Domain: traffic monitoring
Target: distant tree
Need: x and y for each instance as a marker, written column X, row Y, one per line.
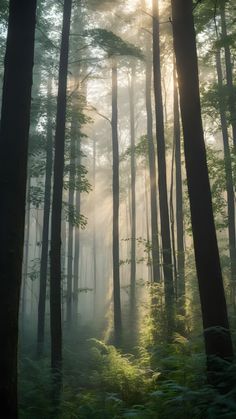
column 115, row 47
column 14, row 130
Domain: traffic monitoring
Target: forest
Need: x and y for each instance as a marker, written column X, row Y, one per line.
column 117, row 214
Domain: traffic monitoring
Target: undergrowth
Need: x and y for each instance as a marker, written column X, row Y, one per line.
column 102, row 383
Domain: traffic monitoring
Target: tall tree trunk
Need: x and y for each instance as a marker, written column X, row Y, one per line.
column 152, row 170
column 228, row 174
column 172, row 220
column 71, row 226
column 77, row 235
column 163, row 197
column 133, row 192
column 94, row 229
column 45, row 234
column 179, row 201
column 26, row 260
column 115, row 189
column 55, row 254
column 14, row 132
column 229, row 72
column 214, row 311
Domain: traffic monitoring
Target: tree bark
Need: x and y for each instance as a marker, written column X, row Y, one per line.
column 115, row 189
column 14, row 132
column 152, row 171
column 163, row 196
column 71, row 226
column 45, row 234
column 214, row 311
column 229, row 73
column 77, row 237
column 133, row 193
column 228, row 175
column 179, row 201
column 55, row 254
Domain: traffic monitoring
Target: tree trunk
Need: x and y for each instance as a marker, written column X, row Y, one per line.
column 163, row 197
column 14, row 132
column 77, row 237
column 115, row 189
column 133, row 193
column 229, row 72
column 71, row 226
column 45, row 235
column 55, row 254
column 94, row 229
column 228, row 174
column 26, row 261
column 179, row 201
column 152, row 171
column 214, row 311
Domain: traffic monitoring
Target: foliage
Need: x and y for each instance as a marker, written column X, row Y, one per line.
column 112, row 44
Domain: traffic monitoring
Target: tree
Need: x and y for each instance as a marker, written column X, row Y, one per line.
column 229, row 71
column 115, row 47
column 14, row 130
column 152, row 169
column 46, row 219
column 163, row 197
column 133, row 191
column 228, row 174
column 55, row 252
column 179, row 200
column 214, row 311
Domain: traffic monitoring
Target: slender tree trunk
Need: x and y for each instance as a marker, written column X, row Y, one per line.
column 14, row 132
column 152, row 171
column 26, row 261
column 163, row 197
column 133, row 193
column 150, row 271
column 229, row 72
column 172, row 220
column 71, row 226
column 228, row 174
column 77, row 235
column 179, row 201
column 94, row 228
column 55, row 254
column 214, row 311
column 45, row 235
column 115, row 189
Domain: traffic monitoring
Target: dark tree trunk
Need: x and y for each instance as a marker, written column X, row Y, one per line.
column 115, row 189
column 45, row 235
column 163, row 196
column 14, row 132
column 152, row 171
column 55, row 254
column 133, row 193
column 228, row 174
column 179, row 201
column 214, row 311
column 71, row 226
column 172, row 220
column 229, row 72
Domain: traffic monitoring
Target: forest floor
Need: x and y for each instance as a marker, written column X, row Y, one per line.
column 158, row 381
